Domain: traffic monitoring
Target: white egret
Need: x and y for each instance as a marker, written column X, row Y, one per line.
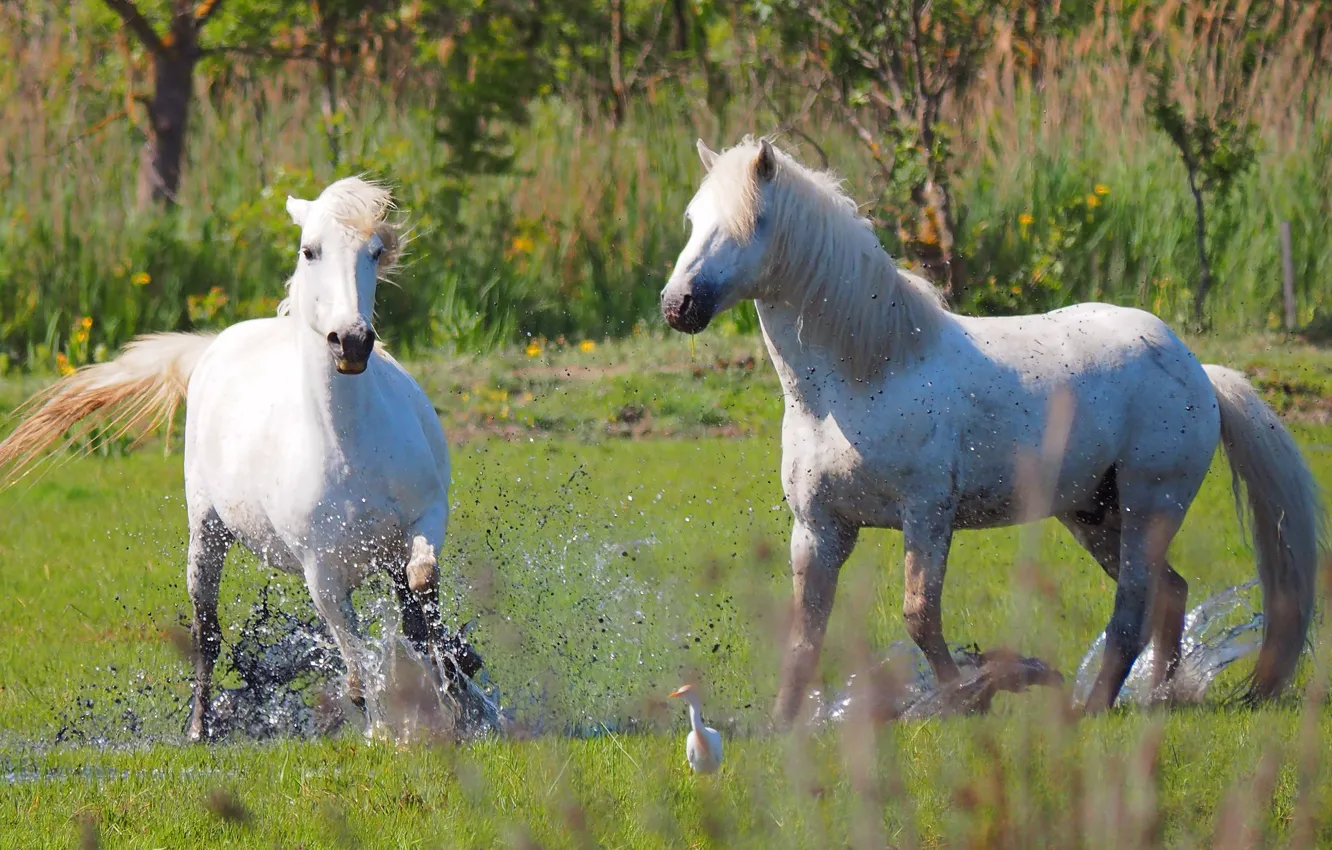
column 703, row 745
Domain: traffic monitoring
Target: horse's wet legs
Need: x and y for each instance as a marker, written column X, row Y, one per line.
column 333, row 602
column 1170, row 594
column 1169, row 607
column 417, row 589
column 1144, row 539
column 209, row 542
column 817, row 555
column 928, row 534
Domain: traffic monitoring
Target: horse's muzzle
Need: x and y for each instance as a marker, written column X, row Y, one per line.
column 351, row 349
column 687, row 312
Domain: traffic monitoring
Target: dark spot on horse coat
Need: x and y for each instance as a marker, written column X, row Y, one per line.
column 1104, row 501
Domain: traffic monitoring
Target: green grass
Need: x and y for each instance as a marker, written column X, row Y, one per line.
column 542, row 532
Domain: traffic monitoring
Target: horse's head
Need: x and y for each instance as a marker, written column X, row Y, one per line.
column 346, row 244
column 724, row 261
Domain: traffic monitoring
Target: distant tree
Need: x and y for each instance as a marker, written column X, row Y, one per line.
column 321, row 31
column 887, row 69
column 1216, row 150
column 175, row 50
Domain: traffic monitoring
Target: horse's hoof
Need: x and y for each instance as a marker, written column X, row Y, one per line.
column 355, row 691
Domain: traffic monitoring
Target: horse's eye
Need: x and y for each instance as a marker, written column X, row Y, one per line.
column 376, row 252
column 308, row 253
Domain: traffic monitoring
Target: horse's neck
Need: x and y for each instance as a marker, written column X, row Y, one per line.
column 336, row 401
column 807, row 366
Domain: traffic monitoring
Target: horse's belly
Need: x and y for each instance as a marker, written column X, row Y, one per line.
column 253, row 530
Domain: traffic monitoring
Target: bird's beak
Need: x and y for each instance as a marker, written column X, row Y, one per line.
column 680, row 692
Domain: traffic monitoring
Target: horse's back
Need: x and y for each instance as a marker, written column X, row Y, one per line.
column 1084, row 342
column 1140, row 396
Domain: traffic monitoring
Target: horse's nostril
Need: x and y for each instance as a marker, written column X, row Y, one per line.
column 332, row 338
column 685, row 302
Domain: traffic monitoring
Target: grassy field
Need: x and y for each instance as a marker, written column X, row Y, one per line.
column 602, row 571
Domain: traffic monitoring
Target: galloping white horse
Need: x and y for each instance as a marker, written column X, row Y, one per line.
column 304, row 439
column 900, row 414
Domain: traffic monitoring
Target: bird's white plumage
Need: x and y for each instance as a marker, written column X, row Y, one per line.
column 703, row 744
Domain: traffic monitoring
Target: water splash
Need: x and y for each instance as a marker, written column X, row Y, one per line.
column 1216, row 635
column 903, row 687
column 291, row 678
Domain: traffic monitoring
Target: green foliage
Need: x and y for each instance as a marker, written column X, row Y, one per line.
column 1038, row 261
column 1218, row 149
column 530, row 217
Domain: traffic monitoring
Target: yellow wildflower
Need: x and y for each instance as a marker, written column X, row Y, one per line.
column 141, row 279
column 1093, row 201
column 587, row 346
column 86, row 323
column 533, row 350
column 1101, row 189
column 1025, row 219
column 62, row 363
column 523, row 245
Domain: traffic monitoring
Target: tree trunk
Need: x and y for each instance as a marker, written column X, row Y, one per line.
column 1200, row 235
column 934, row 205
column 620, row 104
column 168, row 120
column 328, row 70
column 680, row 16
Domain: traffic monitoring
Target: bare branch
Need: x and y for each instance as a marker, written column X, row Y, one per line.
column 260, row 52
column 791, row 124
column 869, row 60
column 648, row 44
column 137, row 23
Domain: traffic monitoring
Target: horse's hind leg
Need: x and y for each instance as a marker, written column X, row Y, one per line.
column 1100, row 536
column 209, row 542
column 1149, row 518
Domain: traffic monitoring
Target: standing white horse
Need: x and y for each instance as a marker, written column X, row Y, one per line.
column 900, row 414
column 304, row 440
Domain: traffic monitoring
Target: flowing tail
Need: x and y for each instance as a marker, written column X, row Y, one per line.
column 1286, row 520
column 139, row 389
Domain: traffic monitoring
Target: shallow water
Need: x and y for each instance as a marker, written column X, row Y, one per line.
column 281, row 676
column 1218, row 632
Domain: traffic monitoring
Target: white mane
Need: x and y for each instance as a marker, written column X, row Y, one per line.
column 363, row 207
column 825, row 260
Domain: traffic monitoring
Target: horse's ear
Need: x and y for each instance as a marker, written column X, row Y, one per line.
column 706, row 154
column 297, row 209
column 765, row 164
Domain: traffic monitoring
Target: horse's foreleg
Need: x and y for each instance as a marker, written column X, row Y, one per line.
column 418, row 594
column 333, row 602
column 1143, row 542
column 209, row 542
column 928, row 533
column 817, row 554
